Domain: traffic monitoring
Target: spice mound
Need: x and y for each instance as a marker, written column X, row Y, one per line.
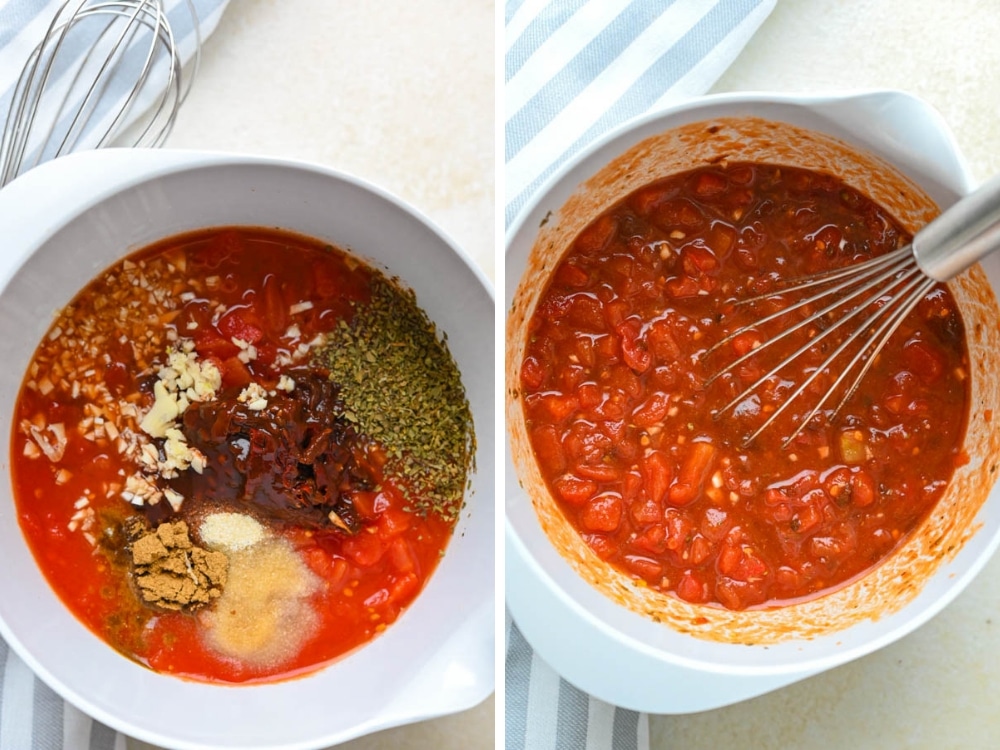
column 170, row 571
column 285, row 453
column 265, row 615
column 403, row 389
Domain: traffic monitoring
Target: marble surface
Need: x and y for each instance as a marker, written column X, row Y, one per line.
column 935, row 688
column 396, row 92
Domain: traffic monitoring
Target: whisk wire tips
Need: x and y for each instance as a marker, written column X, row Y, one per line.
column 105, row 71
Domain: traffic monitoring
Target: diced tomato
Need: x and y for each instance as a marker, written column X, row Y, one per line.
column 403, row 589
column 319, row 560
column 677, row 212
column 589, row 394
column 585, row 351
column 862, row 489
column 680, row 287
column 533, row 372
column 739, row 594
column 402, row 556
column 924, row 359
column 746, row 342
column 614, row 313
column 586, row 313
column 272, row 307
column 721, row 238
column 556, row 406
column 339, row 575
column 645, row 200
column 657, row 470
column 691, row 589
column 662, row 343
column 392, row 523
column 699, row 549
column 693, row 473
column 644, row 567
column 716, row 523
column 697, row 260
column 602, row 513
column 574, row 490
column 241, row 324
column 548, row 449
column 806, row 519
column 708, row 184
column 597, row 236
column 583, row 444
column 652, row 540
column 571, row 275
column 631, row 485
column 679, row 527
column 363, row 549
column 210, row 343
column 634, row 349
column 602, row 472
column 364, row 503
column 837, row 484
column 602, row 545
column 739, row 560
column 646, row 511
column 652, row 411
column 234, row 373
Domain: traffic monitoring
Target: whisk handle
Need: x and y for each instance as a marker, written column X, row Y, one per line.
column 965, row 233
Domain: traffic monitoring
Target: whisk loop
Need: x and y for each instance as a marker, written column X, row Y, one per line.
column 887, row 288
column 105, row 72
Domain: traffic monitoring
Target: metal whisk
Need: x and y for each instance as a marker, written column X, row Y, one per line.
column 874, row 297
column 107, row 72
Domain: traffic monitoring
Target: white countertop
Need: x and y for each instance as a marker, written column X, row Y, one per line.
column 399, row 93
column 935, row 688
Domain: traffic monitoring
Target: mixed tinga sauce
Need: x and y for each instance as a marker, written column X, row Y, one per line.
column 626, row 427
column 240, row 453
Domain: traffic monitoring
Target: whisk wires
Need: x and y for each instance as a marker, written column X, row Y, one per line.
column 887, row 288
column 105, row 73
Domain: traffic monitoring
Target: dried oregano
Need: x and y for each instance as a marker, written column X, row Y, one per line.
column 402, row 388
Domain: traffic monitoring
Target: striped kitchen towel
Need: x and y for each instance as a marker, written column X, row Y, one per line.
column 575, row 69
column 32, row 716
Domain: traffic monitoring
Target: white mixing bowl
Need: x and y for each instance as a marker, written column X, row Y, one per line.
column 644, row 650
column 68, row 220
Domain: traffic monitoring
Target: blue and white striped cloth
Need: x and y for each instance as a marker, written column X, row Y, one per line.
column 32, row 716
column 575, row 69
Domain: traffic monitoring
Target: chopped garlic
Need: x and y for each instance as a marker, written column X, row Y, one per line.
column 53, row 448
column 254, row 396
column 163, row 412
column 174, row 498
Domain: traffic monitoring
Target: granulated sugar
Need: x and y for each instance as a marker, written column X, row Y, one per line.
column 230, row 532
column 264, row 615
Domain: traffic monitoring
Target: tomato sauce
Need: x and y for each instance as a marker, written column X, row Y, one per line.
column 625, row 422
column 76, row 425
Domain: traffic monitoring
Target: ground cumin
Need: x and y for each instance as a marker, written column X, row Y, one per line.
column 169, row 571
